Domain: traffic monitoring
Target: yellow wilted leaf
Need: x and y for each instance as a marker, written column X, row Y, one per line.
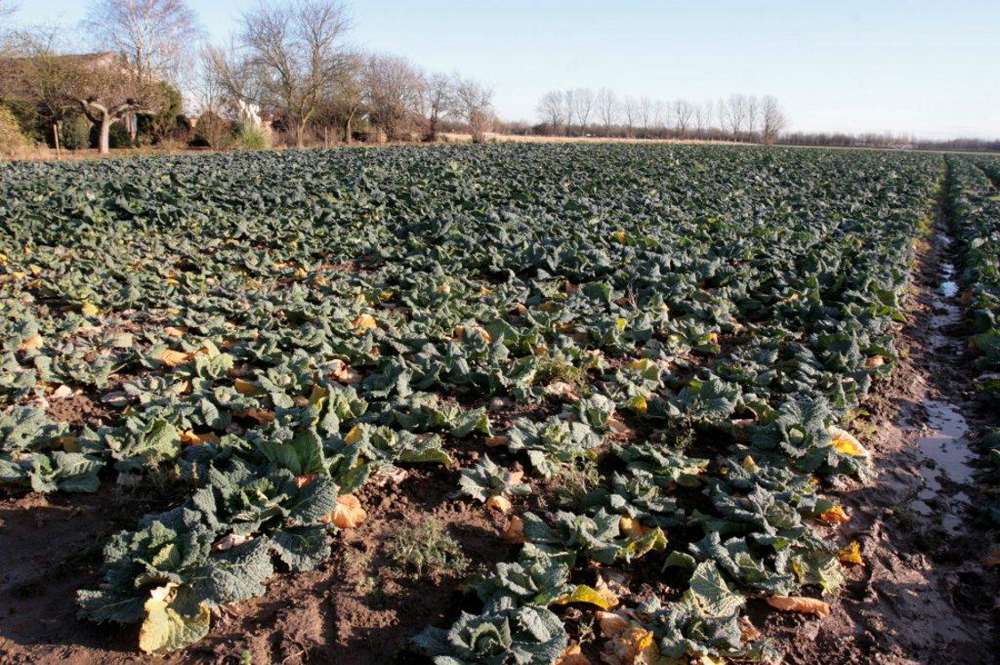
column 244, row 387
column 191, row 438
column 642, row 364
column 618, row 236
column 364, row 322
column 260, row 415
column 172, row 358
column 603, row 598
column 572, row 655
column 835, row 515
column 300, row 274
column 631, row 528
column 348, row 513
column 874, row 361
column 164, row 629
column 89, row 309
column 69, row 444
column 851, row 553
column 637, row 404
column 33, row 343
column 174, row 332
column 499, row 503
column 342, row 372
column 462, row 331
column 627, row 643
column 353, row 436
column 514, row 533
column 318, row 395
column 799, row 604
column 846, row 443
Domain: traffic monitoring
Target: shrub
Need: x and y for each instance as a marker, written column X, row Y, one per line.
column 251, row 137
column 75, row 133
column 160, row 126
column 212, row 131
column 12, row 140
column 118, row 137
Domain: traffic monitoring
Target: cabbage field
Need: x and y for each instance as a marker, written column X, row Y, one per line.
column 524, row 404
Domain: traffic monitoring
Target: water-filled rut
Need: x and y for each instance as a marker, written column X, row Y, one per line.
column 922, row 595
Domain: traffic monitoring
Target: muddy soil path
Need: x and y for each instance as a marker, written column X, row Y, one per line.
column 922, row 596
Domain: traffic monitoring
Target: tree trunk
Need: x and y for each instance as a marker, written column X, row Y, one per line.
column 300, row 130
column 347, row 131
column 104, row 145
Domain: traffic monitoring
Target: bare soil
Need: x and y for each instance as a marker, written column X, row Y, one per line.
column 923, row 594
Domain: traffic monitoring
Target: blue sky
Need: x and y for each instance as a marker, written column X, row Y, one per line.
column 929, row 68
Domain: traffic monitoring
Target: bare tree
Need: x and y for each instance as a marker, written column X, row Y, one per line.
column 154, row 38
column 552, row 109
column 703, row 116
column 661, row 113
column 607, row 108
column 393, row 92
column 733, row 114
column 773, row 120
column 349, row 95
column 211, row 91
column 475, row 103
column 583, row 105
column 569, row 100
column 439, row 102
column 228, row 80
column 752, row 116
column 294, row 53
column 630, row 108
column 645, row 114
column 683, row 112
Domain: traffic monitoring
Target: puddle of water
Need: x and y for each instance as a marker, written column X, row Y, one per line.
column 947, row 448
column 949, row 287
column 947, row 445
column 947, row 311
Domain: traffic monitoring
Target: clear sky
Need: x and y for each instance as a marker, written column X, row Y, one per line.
column 929, row 68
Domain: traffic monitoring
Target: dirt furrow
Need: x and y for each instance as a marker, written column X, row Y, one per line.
column 922, row 595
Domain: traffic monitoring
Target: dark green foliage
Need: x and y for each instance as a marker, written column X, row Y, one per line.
column 275, row 329
column 75, row 132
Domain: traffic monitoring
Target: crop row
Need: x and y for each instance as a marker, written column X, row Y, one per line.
column 273, row 331
column 975, row 206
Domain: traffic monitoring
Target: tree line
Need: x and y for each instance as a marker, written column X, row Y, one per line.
column 584, row 112
column 288, row 72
